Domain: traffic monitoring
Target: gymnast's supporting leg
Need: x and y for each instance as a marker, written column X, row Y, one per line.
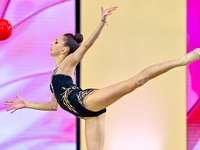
column 102, row 98
column 95, row 132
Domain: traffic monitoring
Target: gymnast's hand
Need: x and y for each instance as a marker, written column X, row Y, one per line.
column 17, row 104
column 106, row 12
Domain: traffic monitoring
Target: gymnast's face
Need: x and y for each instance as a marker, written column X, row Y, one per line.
column 57, row 46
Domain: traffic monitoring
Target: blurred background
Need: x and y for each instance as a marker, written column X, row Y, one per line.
column 25, row 69
column 193, row 74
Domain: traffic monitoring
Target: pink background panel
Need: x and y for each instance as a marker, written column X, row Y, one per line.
column 193, row 76
column 26, row 68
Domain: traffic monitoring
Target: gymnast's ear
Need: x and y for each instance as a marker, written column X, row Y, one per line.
column 65, row 50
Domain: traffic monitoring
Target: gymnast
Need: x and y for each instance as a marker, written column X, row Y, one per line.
column 90, row 104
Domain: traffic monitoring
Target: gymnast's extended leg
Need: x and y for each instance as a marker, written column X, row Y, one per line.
column 94, row 126
column 102, row 98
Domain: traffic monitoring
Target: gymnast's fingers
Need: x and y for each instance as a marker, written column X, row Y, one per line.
column 13, row 111
column 109, row 13
column 18, row 96
column 10, row 108
column 112, row 8
column 10, row 104
column 102, row 9
column 9, row 101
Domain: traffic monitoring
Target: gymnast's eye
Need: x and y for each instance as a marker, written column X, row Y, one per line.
column 56, row 42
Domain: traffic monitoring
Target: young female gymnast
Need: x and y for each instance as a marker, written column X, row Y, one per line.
column 90, row 104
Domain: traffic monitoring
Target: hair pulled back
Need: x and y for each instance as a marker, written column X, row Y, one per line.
column 73, row 41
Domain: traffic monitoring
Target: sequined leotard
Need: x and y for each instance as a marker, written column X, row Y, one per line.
column 70, row 97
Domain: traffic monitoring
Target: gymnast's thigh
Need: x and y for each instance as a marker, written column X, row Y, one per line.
column 104, row 97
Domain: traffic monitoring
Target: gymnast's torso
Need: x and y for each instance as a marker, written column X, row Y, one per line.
column 70, row 97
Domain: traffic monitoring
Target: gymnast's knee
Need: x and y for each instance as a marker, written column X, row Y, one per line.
column 138, row 81
column 141, row 81
column 95, row 146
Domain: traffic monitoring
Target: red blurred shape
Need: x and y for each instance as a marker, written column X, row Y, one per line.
column 5, row 29
column 193, row 126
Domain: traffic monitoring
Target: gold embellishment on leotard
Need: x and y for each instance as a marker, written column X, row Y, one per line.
column 54, row 72
column 82, row 94
column 65, row 97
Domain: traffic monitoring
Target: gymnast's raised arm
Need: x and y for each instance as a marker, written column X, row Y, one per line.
column 80, row 52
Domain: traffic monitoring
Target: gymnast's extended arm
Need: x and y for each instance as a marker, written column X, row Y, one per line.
column 20, row 103
column 80, row 52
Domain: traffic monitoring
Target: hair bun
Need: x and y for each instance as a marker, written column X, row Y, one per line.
column 78, row 37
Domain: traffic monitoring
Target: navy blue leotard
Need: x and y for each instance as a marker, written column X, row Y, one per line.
column 70, row 97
